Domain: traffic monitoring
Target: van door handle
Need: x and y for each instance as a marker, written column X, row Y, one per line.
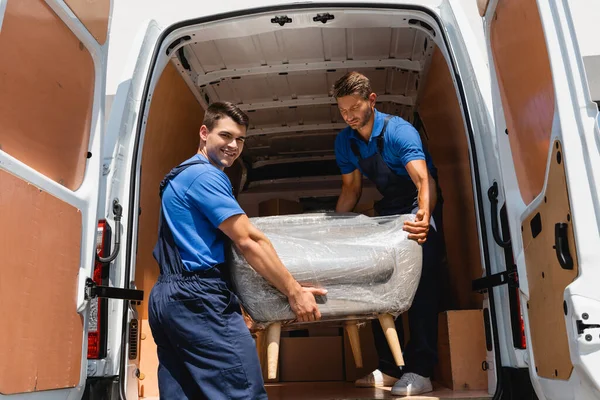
column 118, row 211
column 493, row 196
column 561, row 245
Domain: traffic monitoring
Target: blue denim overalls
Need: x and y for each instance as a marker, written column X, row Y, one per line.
column 400, row 196
column 204, row 347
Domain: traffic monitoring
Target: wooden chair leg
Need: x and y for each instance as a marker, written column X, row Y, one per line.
column 352, row 330
column 273, row 337
column 389, row 329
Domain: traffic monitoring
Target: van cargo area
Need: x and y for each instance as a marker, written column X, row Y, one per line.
column 280, row 70
column 100, row 99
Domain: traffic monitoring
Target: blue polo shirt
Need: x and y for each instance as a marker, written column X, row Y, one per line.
column 194, row 204
column 401, row 145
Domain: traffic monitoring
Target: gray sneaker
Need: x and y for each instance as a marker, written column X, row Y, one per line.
column 411, row 384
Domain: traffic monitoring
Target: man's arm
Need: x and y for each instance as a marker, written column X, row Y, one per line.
column 419, row 173
column 351, row 191
column 260, row 254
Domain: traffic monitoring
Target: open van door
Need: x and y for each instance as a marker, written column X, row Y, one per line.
column 52, row 93
column 547, row 137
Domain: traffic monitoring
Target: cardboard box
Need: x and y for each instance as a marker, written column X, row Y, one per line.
column 461, row 350
column 324, row 330
column 278, row 207
column 310, row 359
column 315, row 330
column 369, row 353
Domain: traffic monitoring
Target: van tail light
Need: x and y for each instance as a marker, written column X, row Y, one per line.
column 523, row 339
column 97, row 326
column 520, row 342
column 516, row 316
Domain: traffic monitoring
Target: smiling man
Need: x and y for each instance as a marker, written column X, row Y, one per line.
column 388, row 151
column 205, row 350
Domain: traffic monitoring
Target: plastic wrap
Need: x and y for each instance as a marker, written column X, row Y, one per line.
column 368, row 265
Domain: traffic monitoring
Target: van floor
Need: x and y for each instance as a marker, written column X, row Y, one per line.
column 347, row 391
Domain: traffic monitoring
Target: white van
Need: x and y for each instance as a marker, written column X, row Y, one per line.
column 514, row 135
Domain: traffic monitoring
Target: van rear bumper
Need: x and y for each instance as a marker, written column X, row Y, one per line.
column 104, row 388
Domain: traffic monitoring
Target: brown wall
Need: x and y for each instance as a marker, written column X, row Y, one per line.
column 447, row 143
column 171, row 137
column 526, row 88
column 40, row 254
column 46, row 93
column 546, row 278
column 93, row 14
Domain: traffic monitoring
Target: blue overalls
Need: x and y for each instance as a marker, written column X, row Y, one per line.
column 204, row 347
column 400, row 196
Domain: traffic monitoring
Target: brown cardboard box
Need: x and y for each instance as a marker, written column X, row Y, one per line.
column 324, row 330
column 369, row 353
column 461, row 350
column 309, row 359
column 278, row 207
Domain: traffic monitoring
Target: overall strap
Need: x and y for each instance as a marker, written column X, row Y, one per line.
column 354, row 145
column 165, row 251
column 381, row 136
column 355, row 149
column 176, row 171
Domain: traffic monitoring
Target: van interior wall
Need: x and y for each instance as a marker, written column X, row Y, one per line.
column 447, row 142
column 250, row 199
column 171, row 137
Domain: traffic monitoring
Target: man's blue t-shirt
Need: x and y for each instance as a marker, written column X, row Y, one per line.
column 194, row 204
column 401, row 145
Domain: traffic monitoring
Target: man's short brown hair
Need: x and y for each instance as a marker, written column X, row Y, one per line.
column 352, row 83
column 219, row 110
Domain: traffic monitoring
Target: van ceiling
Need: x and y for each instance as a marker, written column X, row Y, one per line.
column 283, row 80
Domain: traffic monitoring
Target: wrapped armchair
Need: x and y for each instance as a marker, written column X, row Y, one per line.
column 367, row 264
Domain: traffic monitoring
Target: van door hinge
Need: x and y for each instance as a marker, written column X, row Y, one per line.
column 92, row 290
column 177, row 42
column 482, row 285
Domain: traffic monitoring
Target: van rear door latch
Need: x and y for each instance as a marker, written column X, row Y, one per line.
column 587, row 330
column 92, row 290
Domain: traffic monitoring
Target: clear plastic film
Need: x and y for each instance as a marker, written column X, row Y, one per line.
column 367, row 264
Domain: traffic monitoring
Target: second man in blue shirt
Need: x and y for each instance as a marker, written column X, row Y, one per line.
column 388, row 151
